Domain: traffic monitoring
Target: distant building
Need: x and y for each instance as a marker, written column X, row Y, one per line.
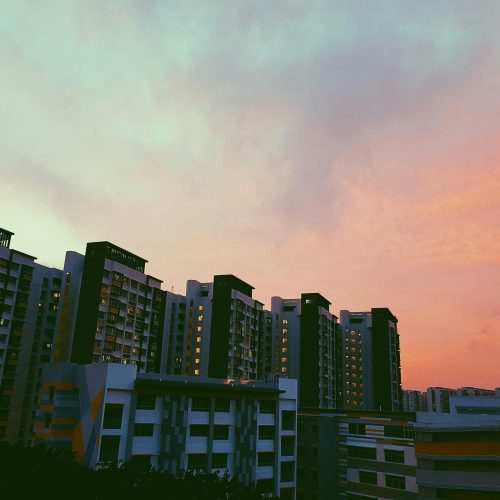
column 29, row 302
column 475, row 391
column 371, row 360
column 414, row 401
column 110, row 413
column 438, row 398
column 305, row 340
column 355, row 455
column 458, row 453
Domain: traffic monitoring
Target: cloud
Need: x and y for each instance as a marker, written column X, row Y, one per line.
column 350, row 148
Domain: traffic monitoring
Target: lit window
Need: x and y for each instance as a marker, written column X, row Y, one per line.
column 285, row 321
column 197, row 372
column 283, row 370
column 200, row 308
column 198, row 350
column 200, row 328
column 197, row 361
column 285, row 331
column 200, row 317
column 198, row 339
column 284, row 360
column 284, row 350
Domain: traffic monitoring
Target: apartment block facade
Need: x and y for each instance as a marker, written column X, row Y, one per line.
column 371, row 360
column 111, row 413
column 29, row 303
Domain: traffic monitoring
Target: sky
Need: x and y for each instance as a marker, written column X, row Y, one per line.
column 347, row 148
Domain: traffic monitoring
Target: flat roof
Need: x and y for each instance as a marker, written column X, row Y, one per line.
column 189, row 383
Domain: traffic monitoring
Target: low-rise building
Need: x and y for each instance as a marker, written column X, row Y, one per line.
column 458, row 454
column 110, row 413
column 356, row 455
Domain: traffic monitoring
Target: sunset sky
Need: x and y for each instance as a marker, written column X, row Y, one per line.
column 350, row 148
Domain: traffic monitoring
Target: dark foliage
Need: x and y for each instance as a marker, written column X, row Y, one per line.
column 52, row 473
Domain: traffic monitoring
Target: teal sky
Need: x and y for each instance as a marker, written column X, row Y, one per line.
column 350, row 148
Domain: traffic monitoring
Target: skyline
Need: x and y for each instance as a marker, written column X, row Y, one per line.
column 269, row 141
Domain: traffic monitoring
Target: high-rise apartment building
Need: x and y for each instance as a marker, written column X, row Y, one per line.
column 371, row 360
column 219, row 330
column 120, row 311
column 239, row 332
column 29, row 302
column 305, row 334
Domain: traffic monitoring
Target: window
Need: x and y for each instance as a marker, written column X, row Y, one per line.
column 397, row 482
column 219, row 461
column 113, row 416
column 197, row 461
column 222, row 405
column 287, row 446
column 265, row 486
column 200, row 404
column 287, row 471
column 198, row 430
column 143, row 429
column 362, row 452
column 221, row 432
column 267, row 406
column 288, row 420
column 396, row 456
column 399, row 431
column 266, row 432
column 146, row 401
column 367, row 477
column 359, row 429
column 265, row 458
column 109, row 448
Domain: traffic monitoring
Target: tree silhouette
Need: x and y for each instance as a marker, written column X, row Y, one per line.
column 53, row 473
